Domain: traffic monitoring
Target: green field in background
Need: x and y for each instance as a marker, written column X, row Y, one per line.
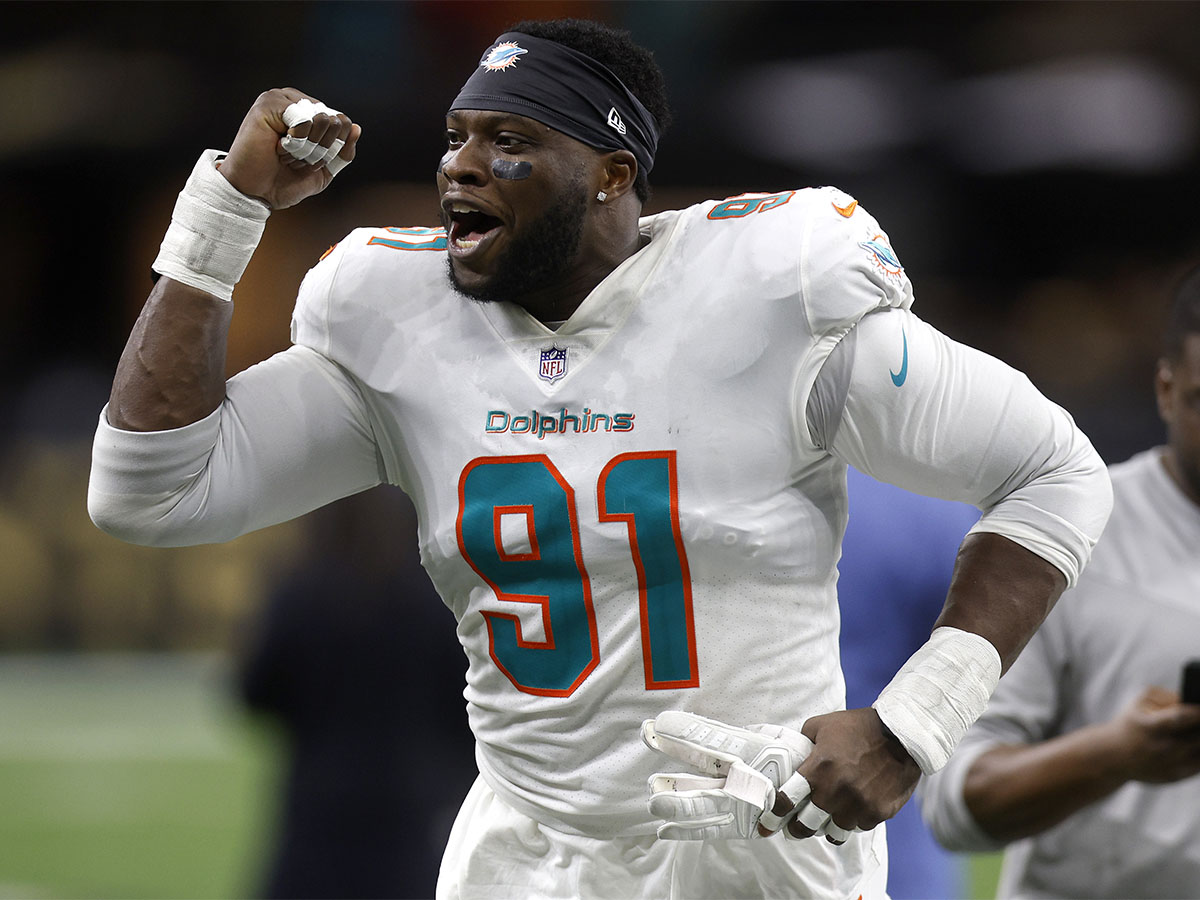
column 129, row 777
column 985, row 872
column 139, row 777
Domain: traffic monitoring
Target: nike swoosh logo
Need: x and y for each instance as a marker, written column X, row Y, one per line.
column 899, row 377
column 847, row 210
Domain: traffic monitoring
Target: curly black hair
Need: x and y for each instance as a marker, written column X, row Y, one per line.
column 1183, row 318
column 616, row 50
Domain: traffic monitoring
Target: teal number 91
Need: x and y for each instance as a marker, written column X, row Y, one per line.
column 638, row 489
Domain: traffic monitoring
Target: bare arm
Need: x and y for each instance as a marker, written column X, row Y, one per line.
column 1014, row 791
column 183, row 457
column 1002, row 592
column 172, row 371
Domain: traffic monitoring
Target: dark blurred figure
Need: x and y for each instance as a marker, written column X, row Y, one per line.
column 353, row 656
column 897, row 559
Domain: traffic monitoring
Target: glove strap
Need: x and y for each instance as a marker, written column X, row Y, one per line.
column 943, row 688
column 750, row 785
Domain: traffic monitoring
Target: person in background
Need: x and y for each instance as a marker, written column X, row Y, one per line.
column 1084, row 765
column 352, row 655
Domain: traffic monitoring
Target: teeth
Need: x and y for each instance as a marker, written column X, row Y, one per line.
column 460, row 208
column 465, row 245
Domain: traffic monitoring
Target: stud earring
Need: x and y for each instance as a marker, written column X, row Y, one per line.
column 601, row 196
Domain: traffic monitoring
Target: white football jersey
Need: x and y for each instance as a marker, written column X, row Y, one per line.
column 641, row 510
column 631, row 507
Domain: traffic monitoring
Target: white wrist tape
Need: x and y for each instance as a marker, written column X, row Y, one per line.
column 214, row 231
column 302, row 148
column 943, row 688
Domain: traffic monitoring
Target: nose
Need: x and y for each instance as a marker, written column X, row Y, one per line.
column 465, row 164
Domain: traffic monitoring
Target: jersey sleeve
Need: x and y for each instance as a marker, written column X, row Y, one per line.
column 1025, row 708
column 312, row 312
column 939, row 418
column 847, row 266
column 292, row 434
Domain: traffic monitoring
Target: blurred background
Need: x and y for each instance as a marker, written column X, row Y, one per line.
column 1035, row 165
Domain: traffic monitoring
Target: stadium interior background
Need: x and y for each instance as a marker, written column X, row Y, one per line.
column 1034, row 163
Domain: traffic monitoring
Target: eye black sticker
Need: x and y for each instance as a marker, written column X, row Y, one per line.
column 511, row 170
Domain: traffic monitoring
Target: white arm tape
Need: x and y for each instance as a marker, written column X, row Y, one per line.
column 213, row 233
column 937, row 695
column 302, row 148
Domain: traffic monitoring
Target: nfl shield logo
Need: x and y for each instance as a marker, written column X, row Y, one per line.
column 553, row 364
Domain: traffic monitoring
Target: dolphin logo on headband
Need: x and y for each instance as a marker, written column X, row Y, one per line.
column 562, row 88
column 502, row 56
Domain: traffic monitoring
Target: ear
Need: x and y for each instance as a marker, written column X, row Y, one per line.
column 617, row 173
column 1164, row 386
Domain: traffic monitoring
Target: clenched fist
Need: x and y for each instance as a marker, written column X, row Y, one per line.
column 259, row 166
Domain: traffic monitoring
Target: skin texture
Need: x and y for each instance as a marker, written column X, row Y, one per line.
column 171, row 372
column 561, row 170
column 539, row 254
column 858, row 771
column 1014, row 791
column 1177, row 387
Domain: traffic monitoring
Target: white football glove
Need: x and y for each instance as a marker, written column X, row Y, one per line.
column 742, row 768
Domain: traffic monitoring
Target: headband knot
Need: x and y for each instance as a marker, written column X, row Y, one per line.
column 564, row 89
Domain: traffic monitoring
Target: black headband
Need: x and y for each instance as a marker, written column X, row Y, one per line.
column 562, row 88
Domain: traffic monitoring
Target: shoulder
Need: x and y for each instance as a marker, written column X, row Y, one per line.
column 795, row 213
column 369, row 274
column 819, row 243
column 1139, row 467
column 817, row 227
column 1148, row 506
column 1137, row 487
column 394, row 251
column 1142, row 541
column 766, row 211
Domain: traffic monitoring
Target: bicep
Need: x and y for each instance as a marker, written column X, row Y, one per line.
column 934, row 416
column 291, row 435
column 942, row 419
column 295, row 435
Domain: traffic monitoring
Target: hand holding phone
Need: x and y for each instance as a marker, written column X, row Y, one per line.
column 1190, row 691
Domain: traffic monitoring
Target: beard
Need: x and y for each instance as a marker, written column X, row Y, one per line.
column 536, row 257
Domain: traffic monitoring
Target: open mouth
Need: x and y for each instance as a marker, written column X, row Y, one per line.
column 469, row 227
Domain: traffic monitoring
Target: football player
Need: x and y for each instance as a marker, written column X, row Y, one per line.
column 626, row 439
